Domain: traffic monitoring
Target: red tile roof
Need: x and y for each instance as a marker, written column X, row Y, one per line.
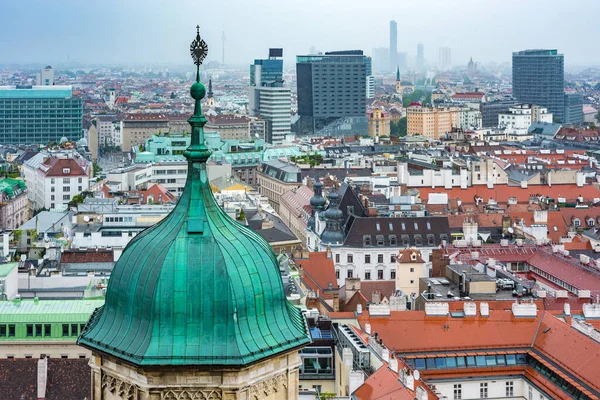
column 413, row 331
column 568, row 270
column 407, row 254
column 56, row 167
column 383, row 385
column 319, row 272
column 501, row 193
column 575, row 352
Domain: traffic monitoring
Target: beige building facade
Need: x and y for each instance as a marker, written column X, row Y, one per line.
column 230, row 127
column 410, row 267
column 136, row 128
column 293, row 210
column 379, row 122
column 274, row 178
column 273, row 379
column 432, row 122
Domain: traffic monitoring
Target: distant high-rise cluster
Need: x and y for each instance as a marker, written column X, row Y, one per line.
column 420, row 62
column 445, row 60
column 393, row 45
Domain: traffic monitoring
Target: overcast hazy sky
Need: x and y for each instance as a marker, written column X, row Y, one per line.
column 126, row 31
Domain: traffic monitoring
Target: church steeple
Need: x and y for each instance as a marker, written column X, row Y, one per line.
column 210, row 91
column 398, row 74
column 198, row 288
column 333, row 235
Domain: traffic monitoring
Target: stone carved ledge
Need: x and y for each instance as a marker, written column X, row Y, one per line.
column 191, row 394
column 116, row 386
column 268, row 387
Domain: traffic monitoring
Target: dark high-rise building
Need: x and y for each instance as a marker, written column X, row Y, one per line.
column 539, row 78
column 491, row 109
column 420, row 61
column 332, row 91
column 393, row 45
column 573, row 108
column 39, row 114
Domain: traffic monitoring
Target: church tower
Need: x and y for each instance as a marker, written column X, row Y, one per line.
column 398, row 84
column 332, row 234
column 195, row 307
column 210, row 98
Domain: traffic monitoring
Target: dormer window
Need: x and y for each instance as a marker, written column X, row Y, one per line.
column 366, row 240
column 405, row 240
column 430, row 240
column 413, row 256
column 379, row 240
column 576, row 222
column 393, row 241
column 591, row 222
column 418, row 240
column 66, row 170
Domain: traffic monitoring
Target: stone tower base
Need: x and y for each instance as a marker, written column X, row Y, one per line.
column 272, row 379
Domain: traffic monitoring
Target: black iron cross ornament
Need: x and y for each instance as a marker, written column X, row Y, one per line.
column 198, row 50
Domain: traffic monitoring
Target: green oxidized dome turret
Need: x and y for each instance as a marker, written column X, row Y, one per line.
column 197, row 288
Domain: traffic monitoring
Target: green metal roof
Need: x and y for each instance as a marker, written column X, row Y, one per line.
column 47, row 311
column 6, row 269
column 197, row 288
column 7, row 185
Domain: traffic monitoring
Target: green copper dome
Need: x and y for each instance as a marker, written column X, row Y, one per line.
column 197, row 288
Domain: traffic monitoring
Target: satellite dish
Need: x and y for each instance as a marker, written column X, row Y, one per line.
column 98, row 218
column 417, row 374
column 86, row 218
column 510, row 229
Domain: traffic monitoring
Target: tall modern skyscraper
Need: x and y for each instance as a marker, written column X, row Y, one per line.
column 420, row 62
column 539, row 78
column 39, row 114
column 445, row 60
column 393, row 45
column 332, row 91
column 268, row 98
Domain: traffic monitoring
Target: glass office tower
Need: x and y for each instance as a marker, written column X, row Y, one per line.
column 39, row 114
column 539, row 78
column 332, row 91
column 269, row 99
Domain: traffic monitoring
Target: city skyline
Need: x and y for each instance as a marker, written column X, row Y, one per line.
column 110, row 39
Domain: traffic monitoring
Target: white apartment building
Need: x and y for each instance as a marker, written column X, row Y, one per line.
column 53, row 180
column 104, row 225
column 470, row 118
column 107, row 128
column 370, row 86
column 275, row 106
column 518, row 118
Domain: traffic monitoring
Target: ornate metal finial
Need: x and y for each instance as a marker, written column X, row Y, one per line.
column 198, row 50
